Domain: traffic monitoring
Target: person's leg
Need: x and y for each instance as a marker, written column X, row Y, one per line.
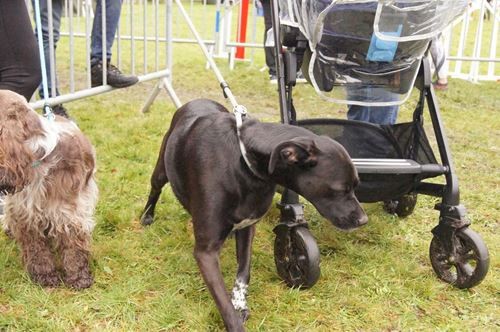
column 268, row 51
column 113, row 10
column 438, row 55
column 114, row 76
column 56, row 25
column 52, row 82
column 358, row 113
column 374, row 114
column 19, row 58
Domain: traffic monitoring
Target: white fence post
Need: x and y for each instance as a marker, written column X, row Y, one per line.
column 478, row 38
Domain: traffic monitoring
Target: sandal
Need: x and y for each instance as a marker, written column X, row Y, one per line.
column 440, row 86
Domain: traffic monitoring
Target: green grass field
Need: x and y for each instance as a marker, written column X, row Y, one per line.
column 378, row 278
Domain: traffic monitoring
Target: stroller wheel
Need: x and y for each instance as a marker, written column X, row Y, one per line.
column 467, row 263
column 296, row 256
column 402, row 206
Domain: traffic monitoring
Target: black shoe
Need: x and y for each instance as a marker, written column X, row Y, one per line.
column 61, row 111
column 114, row 76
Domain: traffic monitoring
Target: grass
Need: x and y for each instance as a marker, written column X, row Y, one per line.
column 376, row 278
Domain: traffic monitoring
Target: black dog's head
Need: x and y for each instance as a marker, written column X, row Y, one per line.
column 320, row 170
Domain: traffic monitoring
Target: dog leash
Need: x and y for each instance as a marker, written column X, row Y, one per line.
column 47, row 110
column 239, row 111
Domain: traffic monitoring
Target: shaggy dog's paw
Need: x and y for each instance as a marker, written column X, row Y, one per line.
column 79, row 282
column 9, row 234
column 50, row 279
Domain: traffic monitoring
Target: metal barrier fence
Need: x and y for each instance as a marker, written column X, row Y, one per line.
column 149, row 48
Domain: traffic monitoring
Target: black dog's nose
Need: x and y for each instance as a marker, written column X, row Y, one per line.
column 363, row 220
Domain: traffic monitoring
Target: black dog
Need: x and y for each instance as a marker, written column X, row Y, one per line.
column 201, row 157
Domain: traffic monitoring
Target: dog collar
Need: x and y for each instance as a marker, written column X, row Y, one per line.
column 240, row 113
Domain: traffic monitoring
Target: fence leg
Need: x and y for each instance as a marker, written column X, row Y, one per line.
column 152, row 96
column 162, row 83
column 171, row 92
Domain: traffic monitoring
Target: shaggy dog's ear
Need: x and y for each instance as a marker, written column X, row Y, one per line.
column 18, row 123
column 300, row 151
column 16, row 113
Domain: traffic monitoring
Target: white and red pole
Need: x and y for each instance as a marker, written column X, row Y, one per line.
column 242, row 29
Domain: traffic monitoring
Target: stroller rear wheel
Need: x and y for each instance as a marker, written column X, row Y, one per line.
column 402, row 206
column 296, row 256
column 467, row 263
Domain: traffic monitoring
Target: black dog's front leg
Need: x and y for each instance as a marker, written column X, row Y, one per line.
column 244, row 238
column 207, row 258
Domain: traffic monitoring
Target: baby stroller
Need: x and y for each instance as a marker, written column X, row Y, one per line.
column 369, row 52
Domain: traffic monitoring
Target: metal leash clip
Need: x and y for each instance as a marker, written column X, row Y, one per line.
column 240, row 112
column 47, row 112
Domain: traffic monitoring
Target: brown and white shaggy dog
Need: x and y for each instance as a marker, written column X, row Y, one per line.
column 47, row 173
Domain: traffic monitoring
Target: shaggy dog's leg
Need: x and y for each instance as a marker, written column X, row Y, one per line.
column 37, row 256
column 75, row 254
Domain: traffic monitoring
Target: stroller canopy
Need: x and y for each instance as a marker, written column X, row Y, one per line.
column 367, row 52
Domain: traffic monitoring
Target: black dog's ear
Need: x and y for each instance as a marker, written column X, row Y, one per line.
column 299, row 151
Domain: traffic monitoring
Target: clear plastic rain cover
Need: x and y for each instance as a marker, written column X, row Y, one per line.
column 367, row 52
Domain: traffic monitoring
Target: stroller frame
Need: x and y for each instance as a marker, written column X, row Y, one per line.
column 458, row 254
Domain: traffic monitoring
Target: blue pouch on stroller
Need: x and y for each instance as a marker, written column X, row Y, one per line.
column 383, row 50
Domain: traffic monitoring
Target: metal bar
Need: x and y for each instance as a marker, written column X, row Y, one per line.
column 132, row 39
column 118, row 45
column 461, row 43
column 168, row 36
column 95, row 91
column 104, row 49
column 478, row 59
column 474, row 68
column 88, row 5
column 71, row 50
column 494, row 37
column 156, row 35
column 253, row 36
column 52, row 56
column 154, row 93
column 164, row 83
column 145, row 32
column 451, row 194
column 285, row 117
column 181, row 40
column 172, row 93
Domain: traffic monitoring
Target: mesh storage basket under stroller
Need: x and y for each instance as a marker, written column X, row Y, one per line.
column 369, row 141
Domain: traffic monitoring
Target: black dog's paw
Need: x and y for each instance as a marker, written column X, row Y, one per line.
column 244, row 314
column 147, row 216
column 80, row 281
column 147, row 220
column 50, row 279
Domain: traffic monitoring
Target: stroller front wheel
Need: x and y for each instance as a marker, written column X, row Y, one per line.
column 465, row 263
column 296, row 256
